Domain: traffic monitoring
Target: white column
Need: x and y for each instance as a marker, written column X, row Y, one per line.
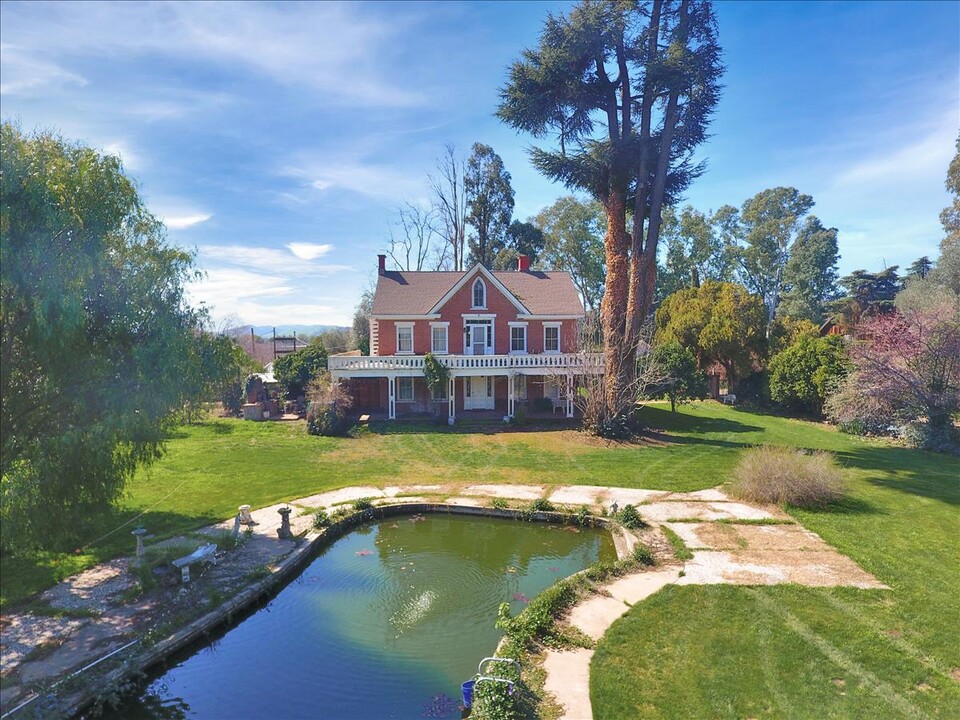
column 451, row 400
column 569, row 395
column 511, row 401
column 392, row 402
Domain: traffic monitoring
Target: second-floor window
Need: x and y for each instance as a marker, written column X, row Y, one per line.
column 518, row 339
column 439, row 339
column 479, row 294
column 404, row 338
column 551, row 338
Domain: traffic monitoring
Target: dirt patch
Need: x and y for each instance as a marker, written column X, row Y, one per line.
column 513, row 492
column 719, row 536
column 955, row 674
column 762, row 567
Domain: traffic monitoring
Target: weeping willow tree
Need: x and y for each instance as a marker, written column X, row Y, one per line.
column 625, row 91
column 98, row 347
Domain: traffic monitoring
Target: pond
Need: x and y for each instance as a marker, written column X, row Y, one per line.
column 385, row 622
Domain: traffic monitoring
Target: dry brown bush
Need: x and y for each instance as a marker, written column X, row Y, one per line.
column 784, row 476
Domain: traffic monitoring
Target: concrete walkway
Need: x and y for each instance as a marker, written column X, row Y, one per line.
column 96, row 612
column 568, row 671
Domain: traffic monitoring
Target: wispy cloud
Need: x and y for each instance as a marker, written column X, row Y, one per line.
column 24, row 72
column 270, row 259
column 895, row 164
column 339, row 50
column 180, row 222
column 368, row 178
column 309, row 251
column 258, row 298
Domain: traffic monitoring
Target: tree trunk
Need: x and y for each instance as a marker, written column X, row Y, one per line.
column 619, row 358
column 644, row 280
column 633, row 322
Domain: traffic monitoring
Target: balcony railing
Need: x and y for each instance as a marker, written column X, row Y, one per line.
column 372, row 365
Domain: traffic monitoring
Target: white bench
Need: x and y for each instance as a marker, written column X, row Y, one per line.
column 204, row 552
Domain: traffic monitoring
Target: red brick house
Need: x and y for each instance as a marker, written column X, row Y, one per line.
column 505, row 337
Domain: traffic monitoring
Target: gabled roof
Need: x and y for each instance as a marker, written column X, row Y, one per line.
column 419, row 293
column 471, row 274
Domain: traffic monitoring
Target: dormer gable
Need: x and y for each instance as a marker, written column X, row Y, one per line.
column 481, row 281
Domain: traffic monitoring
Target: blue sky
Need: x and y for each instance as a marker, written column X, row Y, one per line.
column 277, row 140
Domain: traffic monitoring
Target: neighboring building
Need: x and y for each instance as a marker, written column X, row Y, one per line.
column 506, row 337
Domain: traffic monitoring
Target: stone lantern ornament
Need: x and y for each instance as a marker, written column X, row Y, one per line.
column 284, row 532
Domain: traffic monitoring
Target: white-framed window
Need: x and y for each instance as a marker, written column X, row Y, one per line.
column 551, row 337
column 479, row 293
column 439, row 393
column 404, row 389
column 404, row 338
column 518, row 338
column 520, row 387
column 438, row 338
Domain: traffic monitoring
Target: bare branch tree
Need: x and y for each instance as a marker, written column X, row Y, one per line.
column 412, row 248
column 590, row 392
column 450, row 201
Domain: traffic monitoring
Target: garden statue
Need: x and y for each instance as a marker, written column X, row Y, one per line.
column 284, row 532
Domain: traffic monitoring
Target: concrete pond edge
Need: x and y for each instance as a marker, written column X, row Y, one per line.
column 284, row 570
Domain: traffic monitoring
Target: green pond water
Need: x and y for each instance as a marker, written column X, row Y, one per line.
column 386, row 622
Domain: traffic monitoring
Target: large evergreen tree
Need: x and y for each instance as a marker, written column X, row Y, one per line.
column 489, row 204
column 574, row 233
column 695, row 251
column 810, row 277
column 626, row 91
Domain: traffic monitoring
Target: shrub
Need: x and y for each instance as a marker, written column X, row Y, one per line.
column 629, row 517
column 362, row 504
column 320, row 518
column 784, row 476
column 804, row 373
column 232, row 398
column 497, row 700
column 619, row 427
column 499, row 503
column 583, row 517
column 329, row 402
column 678, row 377
column 542, row 505
column 642, row 555
column 519, row 415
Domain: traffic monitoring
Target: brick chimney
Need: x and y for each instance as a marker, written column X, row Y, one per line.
column 381, row 264
column 523, row 263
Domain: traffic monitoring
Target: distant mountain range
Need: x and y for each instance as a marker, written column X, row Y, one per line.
column 266, row 331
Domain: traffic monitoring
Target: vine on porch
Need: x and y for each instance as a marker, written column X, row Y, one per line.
column 435, row 373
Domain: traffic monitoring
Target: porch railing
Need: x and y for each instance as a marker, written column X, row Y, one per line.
column 370, row 365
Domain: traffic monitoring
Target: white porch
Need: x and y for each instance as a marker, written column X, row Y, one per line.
column 561, row 369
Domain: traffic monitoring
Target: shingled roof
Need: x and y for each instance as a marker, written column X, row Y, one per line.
column 415, row 293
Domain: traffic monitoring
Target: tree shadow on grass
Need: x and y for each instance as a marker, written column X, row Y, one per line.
column 103, row 537
column 916, row 472
column 847, row 506
column 662, row 418
column 493, row 427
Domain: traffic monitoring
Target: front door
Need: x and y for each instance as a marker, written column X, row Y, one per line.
column 478, row 339
column 478, row 393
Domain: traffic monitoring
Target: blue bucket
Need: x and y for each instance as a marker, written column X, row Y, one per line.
column 467, row 691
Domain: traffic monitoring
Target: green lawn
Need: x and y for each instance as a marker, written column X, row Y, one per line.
column 790, row 651
column 687, row 652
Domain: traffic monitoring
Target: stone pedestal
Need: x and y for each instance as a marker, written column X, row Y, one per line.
column 284, row 532
column 139, row 533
